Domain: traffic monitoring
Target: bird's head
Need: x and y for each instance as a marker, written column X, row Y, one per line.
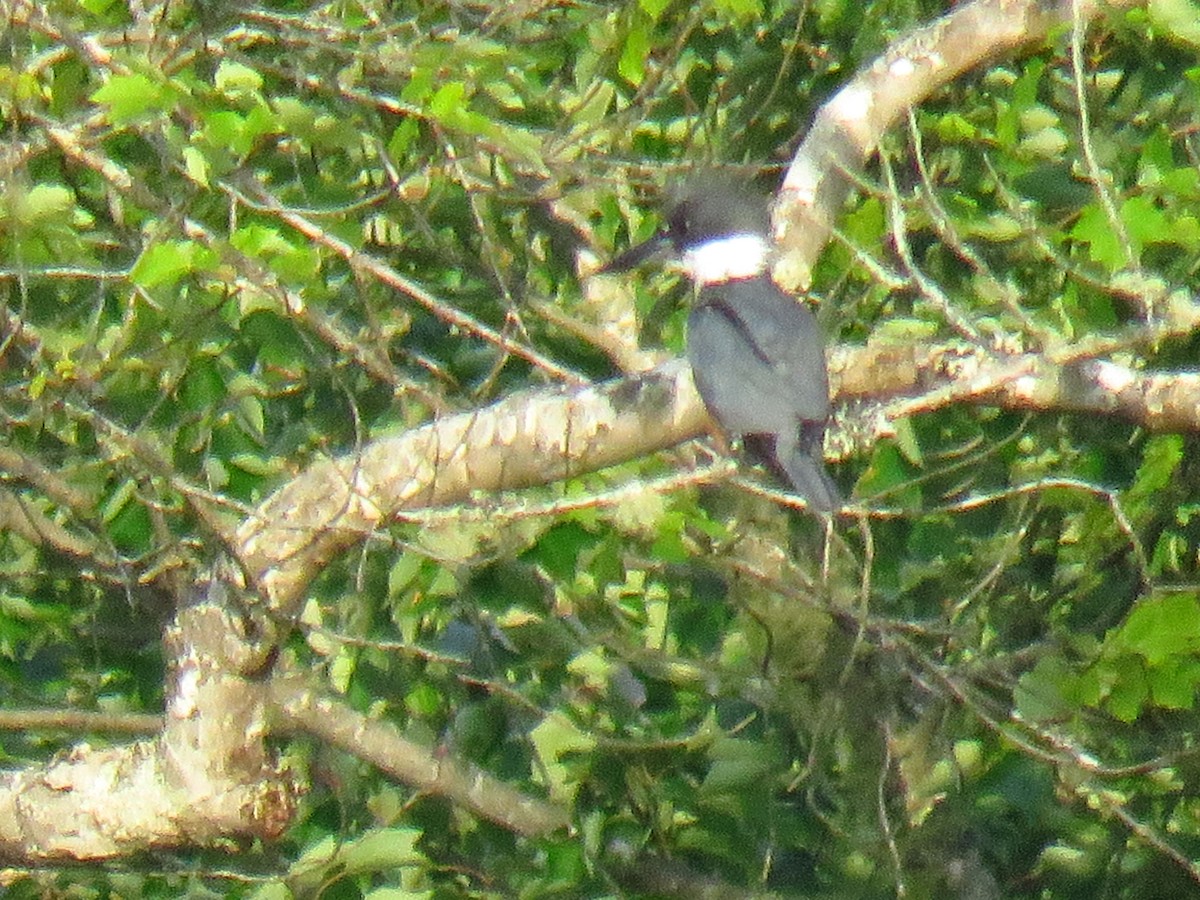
column 716, row 227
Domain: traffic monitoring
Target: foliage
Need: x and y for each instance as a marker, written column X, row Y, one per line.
column 990, row 684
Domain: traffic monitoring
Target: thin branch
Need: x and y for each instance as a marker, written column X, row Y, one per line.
column 929, row 289
column 366, row 264
column 1100, row 182
column 79, row 721
column 21, row 517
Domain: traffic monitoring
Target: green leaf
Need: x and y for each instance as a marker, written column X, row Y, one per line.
column 740, row 11
column 260, row 466
column 593, row 668
column 558, row 549
column 1177, row 19
column 595, row 107
column 404, row 572
column 1156, row 158
column 1023, row 97
column 118, row 500
column 423, row 701
column 1161, row 627
column 1094, row 229
column 632, row 63
column 554, row 738
column 1045, row 692
column 1185, row 233
column 1085, row 311
column 654, row 8
column 204, row 386
column 222, row 128
column 195, row 166
column 565, row 863
column 403, row 137
column 830, row 13
column 259, row 240
column 1025, row 88
column 420, row 86
column 1129, row 690
column 378, row 850
column 1173, row 685
column 1144, row 222
column 448, row 103
column 997, row 227
column 888, row 476
column 1045, row 144
column 129, row 97
column 908, row 443
column 44, row 203
column 237, row 132
column 504, row 94
column 235, row 78
column 866, row 225
column 512, row 141
column 396, row 893
column 1161, row 458
column 737, row 765
column 167, row 262
column 954, row 128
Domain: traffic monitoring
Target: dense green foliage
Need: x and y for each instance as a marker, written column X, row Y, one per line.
column 989, row 687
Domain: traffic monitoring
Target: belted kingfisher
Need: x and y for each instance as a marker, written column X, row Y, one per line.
column 757, row 355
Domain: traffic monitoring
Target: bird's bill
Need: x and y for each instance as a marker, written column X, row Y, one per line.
column 639, row 253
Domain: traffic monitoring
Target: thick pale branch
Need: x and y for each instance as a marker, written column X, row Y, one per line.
column 848, row 128
column 528, row 439
column 1158, row 401
column 925, row 378
column 208, row 775
column 540, row 437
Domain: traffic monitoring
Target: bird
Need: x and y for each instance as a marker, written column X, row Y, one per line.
column 757, row 355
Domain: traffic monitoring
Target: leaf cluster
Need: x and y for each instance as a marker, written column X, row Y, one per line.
column 987, row 685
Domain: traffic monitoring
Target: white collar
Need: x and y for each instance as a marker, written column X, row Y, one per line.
column 728, row 258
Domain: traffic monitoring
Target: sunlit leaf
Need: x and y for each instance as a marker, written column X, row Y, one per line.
column 554, row 739
column 44, row 202
column 167, row 262
column 1178, row 19
column 1095, row 229
column 1162, row 627
column 234, row 78
column 129, row 97
column 632, row 63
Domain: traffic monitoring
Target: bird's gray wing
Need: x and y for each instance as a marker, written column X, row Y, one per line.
column 758, row 359
column 786, row 333
column 741, row 387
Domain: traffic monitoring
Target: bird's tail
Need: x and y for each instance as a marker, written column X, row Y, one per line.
column 798, row 461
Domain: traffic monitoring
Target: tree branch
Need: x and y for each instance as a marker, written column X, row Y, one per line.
column 848, row 128
column 304, row 707
column 528, row 439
